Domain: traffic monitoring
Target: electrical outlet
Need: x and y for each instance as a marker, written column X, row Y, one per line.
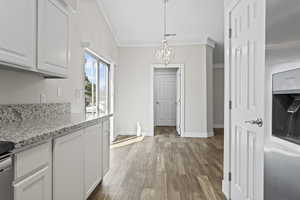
column 59, row 92
column 42, row 98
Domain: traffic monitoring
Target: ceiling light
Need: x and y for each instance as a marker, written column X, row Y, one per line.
column 165, row 52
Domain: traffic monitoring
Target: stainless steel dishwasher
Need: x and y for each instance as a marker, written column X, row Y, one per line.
column 6, row 171
column 6, row 178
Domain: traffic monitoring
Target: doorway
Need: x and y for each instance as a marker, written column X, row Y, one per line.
column 167, row 95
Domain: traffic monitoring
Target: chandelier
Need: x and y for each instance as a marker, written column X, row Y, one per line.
column 165, row 52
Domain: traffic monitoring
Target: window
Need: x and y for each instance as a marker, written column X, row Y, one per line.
column 96, row 85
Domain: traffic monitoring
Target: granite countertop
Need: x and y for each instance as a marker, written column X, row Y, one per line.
column 33, row 131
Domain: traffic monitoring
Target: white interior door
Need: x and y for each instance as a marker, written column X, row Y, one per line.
column 247, row 95
column 165, row 98
column 178, row 101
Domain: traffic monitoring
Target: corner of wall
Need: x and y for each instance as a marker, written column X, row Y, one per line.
column 225, row 188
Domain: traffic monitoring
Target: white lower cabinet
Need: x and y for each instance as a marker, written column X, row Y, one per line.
column 105, row 146
column 35, row 187
column 93, row 158
column 33, row 173
column 68, row 167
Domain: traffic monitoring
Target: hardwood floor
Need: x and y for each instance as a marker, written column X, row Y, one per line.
column 165, row 167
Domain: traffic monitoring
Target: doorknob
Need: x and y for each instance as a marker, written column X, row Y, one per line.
column 157, row 102
column 258, row 122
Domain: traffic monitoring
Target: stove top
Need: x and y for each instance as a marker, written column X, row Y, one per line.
column 6, row 147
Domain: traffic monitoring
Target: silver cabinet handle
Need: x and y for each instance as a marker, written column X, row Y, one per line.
column 258, row 122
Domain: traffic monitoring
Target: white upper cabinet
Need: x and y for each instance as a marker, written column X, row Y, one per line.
column 53, row 37
column 18, row 33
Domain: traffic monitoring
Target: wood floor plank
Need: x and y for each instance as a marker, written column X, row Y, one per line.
column 165, row 167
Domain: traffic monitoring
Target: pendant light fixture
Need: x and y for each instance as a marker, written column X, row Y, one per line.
column 165, row 52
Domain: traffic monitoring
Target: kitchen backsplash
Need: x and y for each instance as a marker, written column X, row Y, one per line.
column 19, row 112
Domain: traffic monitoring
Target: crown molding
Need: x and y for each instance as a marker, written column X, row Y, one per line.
column 106, row 18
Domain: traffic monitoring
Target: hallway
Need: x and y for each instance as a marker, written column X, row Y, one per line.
column 165, row 167
column 167, row 131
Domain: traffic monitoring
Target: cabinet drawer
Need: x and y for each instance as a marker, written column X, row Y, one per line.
column 36, row 186
column 32, row 159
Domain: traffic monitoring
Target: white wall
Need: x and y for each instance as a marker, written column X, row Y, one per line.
column 87, row 24
column 218, row 95
column 227, row 2
column 132, row 97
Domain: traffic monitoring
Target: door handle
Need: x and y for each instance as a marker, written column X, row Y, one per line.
column 258, row 122
column 157, row 102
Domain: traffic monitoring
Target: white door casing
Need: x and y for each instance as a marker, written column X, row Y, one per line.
column 178, row 101
column 247, row 78
column 179, row 67
column 165, row 98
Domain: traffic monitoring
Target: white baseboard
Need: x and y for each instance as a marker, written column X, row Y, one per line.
column 133, row 133
column 198, row 134
column 210, row 134
column 126, row 133
column 147, row 134
column 225, row 189
column 218, row 125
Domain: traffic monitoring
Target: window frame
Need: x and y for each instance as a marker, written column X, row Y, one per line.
column 99, row 60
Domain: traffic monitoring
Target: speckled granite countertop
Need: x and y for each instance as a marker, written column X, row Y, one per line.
column 30, row 132
column 29, row 124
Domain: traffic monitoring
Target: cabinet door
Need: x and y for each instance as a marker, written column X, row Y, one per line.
column 106, row 146
column 68, row 167
column 18, row 32
column 93, row 158
column 36, row 186
column 53, row 37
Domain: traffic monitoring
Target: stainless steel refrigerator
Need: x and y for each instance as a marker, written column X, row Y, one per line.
column 282, row 146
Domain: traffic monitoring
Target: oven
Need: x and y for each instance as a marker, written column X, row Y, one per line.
column 6, row 177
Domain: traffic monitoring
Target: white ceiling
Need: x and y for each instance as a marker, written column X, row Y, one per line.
column 140, row 22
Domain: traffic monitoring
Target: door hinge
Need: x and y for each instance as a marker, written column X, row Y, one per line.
column 229, row 176
column 230, row 105
column 230, row 33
